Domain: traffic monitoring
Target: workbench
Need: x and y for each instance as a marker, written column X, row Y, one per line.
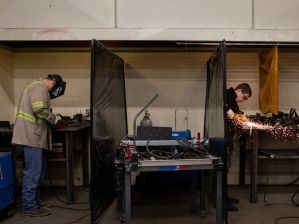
column 282, row 148
column 81, row 132
column 175, row 165
column 69, row 134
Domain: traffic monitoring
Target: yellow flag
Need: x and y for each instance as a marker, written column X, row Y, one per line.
column 268, row 66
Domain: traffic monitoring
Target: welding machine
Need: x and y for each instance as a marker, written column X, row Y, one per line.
column 7, row 196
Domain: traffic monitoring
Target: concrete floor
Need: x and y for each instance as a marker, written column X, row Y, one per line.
column 59, row 215
column 173, row 206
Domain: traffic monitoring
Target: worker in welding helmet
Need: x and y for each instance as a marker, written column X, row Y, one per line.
column 32, row 131
column 233, row 97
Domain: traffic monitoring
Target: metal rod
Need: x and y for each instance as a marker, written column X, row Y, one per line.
column 241, row 43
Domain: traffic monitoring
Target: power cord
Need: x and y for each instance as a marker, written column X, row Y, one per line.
column 270, row 204
column 293, row 198
column 294, row 203
column 79, row 219
column 67, row 203
column 285, row 217
column 63, row 201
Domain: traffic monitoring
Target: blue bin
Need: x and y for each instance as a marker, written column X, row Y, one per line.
column 7, row 196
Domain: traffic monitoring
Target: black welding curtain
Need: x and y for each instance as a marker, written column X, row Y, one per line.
column 109, row 123
column 214, row 126
column 215, row 94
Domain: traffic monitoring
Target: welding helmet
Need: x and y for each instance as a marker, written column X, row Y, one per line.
column 59, row 87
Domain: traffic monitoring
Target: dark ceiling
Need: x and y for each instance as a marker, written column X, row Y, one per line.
column 146, row 45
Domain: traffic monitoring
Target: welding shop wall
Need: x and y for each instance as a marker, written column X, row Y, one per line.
column 178, row 76
column 109, row 123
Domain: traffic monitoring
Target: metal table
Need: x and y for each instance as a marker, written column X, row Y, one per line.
column 171, row 165
column 261, row 140
column 83, row 131
column 69, row 132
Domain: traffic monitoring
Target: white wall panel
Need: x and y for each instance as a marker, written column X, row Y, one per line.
column 276, row 14
column 180, row 80
column 57, row 14
column 184, row 14
column 6, row 86
column 74, row 67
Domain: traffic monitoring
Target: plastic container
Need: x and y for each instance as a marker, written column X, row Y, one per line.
column 7, row 197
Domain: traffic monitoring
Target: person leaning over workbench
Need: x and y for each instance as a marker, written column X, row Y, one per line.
column 32, row 131
column 234, row 96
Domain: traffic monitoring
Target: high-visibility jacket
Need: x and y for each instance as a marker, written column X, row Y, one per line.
column 31, row 127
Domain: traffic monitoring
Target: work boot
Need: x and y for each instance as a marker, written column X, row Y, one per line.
column 231, row 208
column 232, row 200
column 37, row 212
column 46, row 204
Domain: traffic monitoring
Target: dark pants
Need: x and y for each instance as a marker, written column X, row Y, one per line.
column 33, row 175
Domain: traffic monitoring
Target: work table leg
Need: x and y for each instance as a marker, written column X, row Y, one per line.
column 69, row 146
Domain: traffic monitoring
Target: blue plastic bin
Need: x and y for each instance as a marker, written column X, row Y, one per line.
column 7, row 197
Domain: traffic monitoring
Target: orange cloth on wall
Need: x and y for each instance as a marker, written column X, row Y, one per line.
column 268, row 66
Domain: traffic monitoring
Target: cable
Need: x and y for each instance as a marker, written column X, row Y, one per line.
column 268, row 204
column 68, row 208
column 58, row 198
column 286, row 217
column 198, row 148
column 186, row 150
column 160, row 154
column 293, row 198
column 79, row 219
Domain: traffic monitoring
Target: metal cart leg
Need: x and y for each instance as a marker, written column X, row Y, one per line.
column 254, row 165
column 202, row 200
column 127, row 199
column 193, row 191
column 219, row 216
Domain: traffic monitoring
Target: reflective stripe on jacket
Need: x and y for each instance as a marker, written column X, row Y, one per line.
column 33, row 113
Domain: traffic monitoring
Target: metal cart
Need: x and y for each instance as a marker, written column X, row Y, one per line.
column 128, row 161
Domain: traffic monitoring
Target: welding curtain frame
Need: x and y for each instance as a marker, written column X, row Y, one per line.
column 108, row 124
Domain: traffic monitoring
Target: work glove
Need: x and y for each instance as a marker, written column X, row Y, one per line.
column 58, row 118
column 230, row 114
column 236, row 116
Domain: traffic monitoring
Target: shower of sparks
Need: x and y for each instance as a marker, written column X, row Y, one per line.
column 278, row 130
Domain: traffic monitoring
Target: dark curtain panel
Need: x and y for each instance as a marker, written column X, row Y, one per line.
column 214, row 126
column 109, row 123
column 215, row 94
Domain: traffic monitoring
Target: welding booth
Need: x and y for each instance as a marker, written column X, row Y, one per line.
column 110, row 127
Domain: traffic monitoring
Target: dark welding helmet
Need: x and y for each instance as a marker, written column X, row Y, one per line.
column 59, row 87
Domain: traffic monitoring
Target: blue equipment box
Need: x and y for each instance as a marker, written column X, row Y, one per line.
column 180, row 134
column 6, row 181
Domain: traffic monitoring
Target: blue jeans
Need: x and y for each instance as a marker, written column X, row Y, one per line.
column 33, row 175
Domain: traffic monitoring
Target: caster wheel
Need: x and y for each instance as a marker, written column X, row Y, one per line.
column 122, row 220
column 10, row 212
column 202, row 214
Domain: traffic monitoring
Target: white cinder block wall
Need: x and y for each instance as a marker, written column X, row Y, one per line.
column 197, row 20
column 180, row 80
column 74, row 68
column 6, row 86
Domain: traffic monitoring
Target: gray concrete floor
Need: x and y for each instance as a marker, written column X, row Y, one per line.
column 173, row 206
column 59, row 215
